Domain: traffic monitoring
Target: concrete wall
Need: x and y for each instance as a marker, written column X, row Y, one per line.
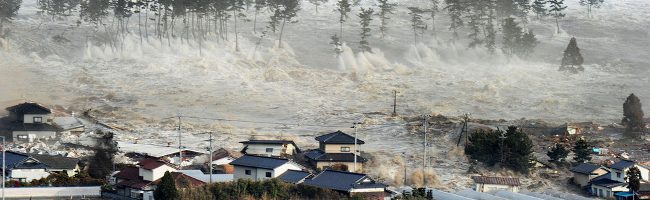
column 49, row 192
column 31, row 135
column 493, row 187
column 28, row 175
column 29, row 118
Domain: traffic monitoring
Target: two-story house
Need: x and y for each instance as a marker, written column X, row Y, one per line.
column 613, row 182
column 261, row 167
column 620, row 168
column 337, row 151
column 585, row 172
column 270, row 148
column 28, row 121
column 139, row 182
column 348, row 183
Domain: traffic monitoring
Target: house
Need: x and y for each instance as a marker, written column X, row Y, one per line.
column 158, row 152
column 619, row 170
column 70, row 124
column 489, row 183
column 216, row 178
column 336, row 151
column 221, row 160
column 271, row 148
column 585, row 172
column 349, row 183
column 27, row 167
column 261, row 167
column 605, row 187
column 139, row 182
column 29, row 121
column 295, row 176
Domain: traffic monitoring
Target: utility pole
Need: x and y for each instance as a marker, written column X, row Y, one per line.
column 464, row 129
column 424, row 161
column 356, row 150
column 210, row 163
column 405, row 163
column 394, row 103
column 180, row 147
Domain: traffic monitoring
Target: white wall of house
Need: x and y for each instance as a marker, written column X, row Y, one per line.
column 29, row 118
column 240, row 173
column 607, row 192
column 619, row 175
column 283, row 168
column 70, row 172
column 276, row 149
column 155, row 174
column 31, row 135
column 28, row 175
column 583, row 180
column 493, row 187
column 336, row 148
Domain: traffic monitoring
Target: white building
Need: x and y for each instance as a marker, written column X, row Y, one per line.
column 260, row 167
column 27, row 167
column 140, row 182
column 271, row 148
column 28, row 121
column 620, row 168
column 488, row 184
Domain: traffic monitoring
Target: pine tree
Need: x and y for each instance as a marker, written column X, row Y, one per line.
column 539, row 8
column 476, row 15
column 557, row 6
column 633, row 179
column 582, row 151
column 505, row 8
column 8, row 10
column 558, row 153
column 490, row 31
column 236, row 6
column 365, row 18
column 591, row 4
column 317, row 3
column 259, row 5
column 343, row 7
column 633, row 115
column 338, row 46
column 526, row 44
column 385, row 9
column 166, row 189
column 572, row 57
column 101, row 164
column 417, row 23
column 512, row 34
column 433, row 10
column 485, row 146
column 455, row 8
column 522, row 9
column 286, row 11
column 520, row 149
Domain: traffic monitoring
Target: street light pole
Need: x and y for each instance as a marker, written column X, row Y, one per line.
column 356, row 150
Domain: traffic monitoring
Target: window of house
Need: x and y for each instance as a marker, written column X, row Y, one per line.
column 248, row 172
column 38, row 119
column 345, row 149
column 269, row 150
column 268, row 174
column 618, row 174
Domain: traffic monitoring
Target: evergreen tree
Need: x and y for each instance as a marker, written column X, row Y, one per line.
column 476, row 15
column 8, row 10
column 259, row 5
column 417, row 24
column 94, row 10
column 557, row 6
column 572, row 57
column 633, row 179
column 505, row 8
column 519, row 150
column 633, row 115
column 338, row 46
column 365, row 18
column 166, row 189
column 512, row 34
column 455, row 8
column 490, row 31
column 286, row 11
column 236, row 6
column 102, row 163
column 317, row 3
column 582, row 151
column 558, row 153
column 539, row 8
column 433, row 10
column 343, row 7
column 522, row 9
column 385, row 9
column 526, row 44
column 591, row 4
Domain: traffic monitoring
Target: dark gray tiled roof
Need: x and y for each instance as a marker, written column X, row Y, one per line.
column 608, row 183
column 259, row 162
column 21, row 161
column 585, row 168
column 319, row 155
column 56, row 162
column 623, row 164
column 496, row 180
column 267, row 142
column 29, row 108
column 342, row 181
column 293, row 176
column 338, row 137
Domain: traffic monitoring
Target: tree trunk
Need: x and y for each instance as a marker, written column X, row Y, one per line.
column 236, row 34
column 146, row 23
column 557, row 23
column 140, row 27
column 284, row 21
column 255, row 22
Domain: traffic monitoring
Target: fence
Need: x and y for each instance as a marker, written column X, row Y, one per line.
column 49, row 192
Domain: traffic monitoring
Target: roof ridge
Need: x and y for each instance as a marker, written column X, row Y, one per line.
column 266, row 157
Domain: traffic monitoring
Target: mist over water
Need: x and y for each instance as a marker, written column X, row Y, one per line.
column 305, row 82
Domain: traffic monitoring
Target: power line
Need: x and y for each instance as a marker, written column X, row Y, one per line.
column 372, row 126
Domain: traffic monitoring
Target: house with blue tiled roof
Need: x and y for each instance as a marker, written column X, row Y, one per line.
column 338, row 151
column 25, row 167
column 261, row 167
column 609, row 184
column 348, row 183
